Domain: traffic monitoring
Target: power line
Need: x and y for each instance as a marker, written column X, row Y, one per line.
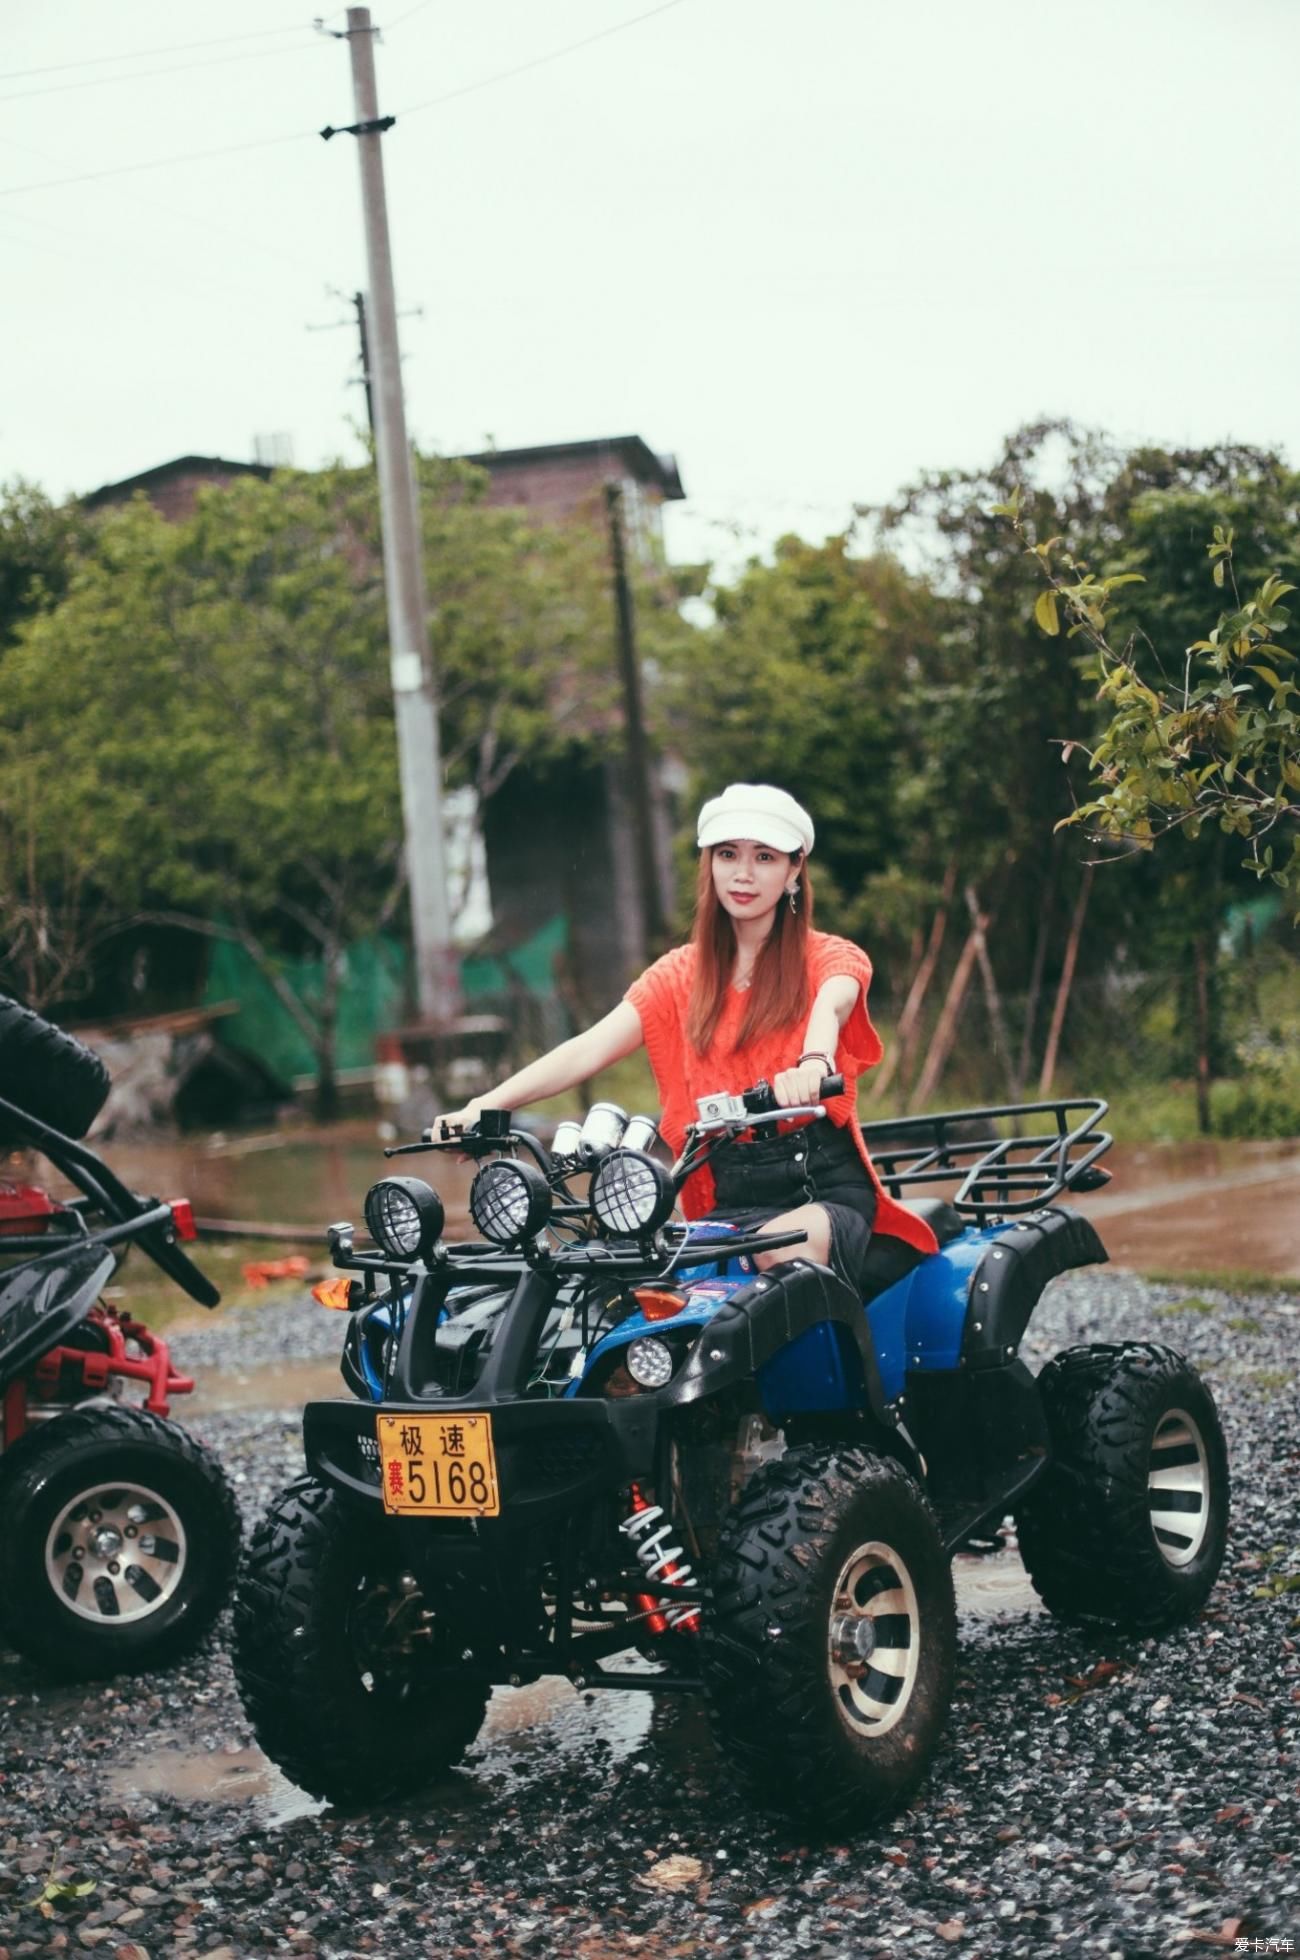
column 148, row 74
column 539, row 61
column 190, row 220
column 406, row 16
column 158, row 163
column 270, row 142
column 146, row 54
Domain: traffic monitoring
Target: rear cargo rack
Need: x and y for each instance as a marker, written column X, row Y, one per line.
column 997, row 1171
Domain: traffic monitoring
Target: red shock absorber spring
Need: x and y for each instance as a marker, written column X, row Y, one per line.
column 649, row 1529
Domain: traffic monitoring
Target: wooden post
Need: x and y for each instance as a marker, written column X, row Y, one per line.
column 1036, row 971
column 946, row 1031
column 905, row 1032
column 1201, row 968
column 997, row 1021
column 1066, row 982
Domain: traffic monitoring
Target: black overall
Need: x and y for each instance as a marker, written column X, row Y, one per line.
column 818, row 1164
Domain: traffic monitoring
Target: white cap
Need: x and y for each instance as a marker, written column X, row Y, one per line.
column 759, row 812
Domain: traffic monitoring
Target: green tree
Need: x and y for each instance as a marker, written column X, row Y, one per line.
column 1202, row 723
column 805, row 680
column 39, row 542
column 1191, row 731
column 202, row 730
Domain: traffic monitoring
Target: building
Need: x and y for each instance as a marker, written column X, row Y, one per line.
column 566, row 480
column 173, row 488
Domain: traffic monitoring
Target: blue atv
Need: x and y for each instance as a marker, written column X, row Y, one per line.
column 599, row 1443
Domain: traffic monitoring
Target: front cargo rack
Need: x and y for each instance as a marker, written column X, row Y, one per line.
column 997, row 1172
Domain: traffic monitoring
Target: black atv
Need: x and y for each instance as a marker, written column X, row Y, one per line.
column 119, row 1533
column 599, row 1433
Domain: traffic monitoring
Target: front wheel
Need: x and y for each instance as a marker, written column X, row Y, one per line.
column 829, row 1651
column 1127, row 1524
column 118, row 1542
column 352, row 1685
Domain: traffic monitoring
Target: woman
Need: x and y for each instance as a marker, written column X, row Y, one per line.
column 755, row 994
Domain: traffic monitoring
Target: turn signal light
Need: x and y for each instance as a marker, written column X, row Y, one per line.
column 335, row 1293
column 657, row 1303
column 182, row 1212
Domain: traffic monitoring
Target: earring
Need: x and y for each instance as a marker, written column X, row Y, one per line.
column 791, row 895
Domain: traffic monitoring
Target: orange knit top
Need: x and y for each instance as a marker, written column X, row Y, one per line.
column 661, row 998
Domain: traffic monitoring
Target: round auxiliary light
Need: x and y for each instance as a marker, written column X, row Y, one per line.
column 602, row 1128
column 567, row 1140
column 509, row 1202
column 642, row 1133
column 649, row 1361
column 632, row 1194
column 404, row 1216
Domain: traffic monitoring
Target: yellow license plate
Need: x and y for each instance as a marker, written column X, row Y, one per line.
column 439, row 1466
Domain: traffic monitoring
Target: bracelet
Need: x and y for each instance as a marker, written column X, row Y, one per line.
column 816, row 1055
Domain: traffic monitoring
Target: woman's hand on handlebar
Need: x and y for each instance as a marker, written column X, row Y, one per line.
column 800, row 1085
column 455, row 1121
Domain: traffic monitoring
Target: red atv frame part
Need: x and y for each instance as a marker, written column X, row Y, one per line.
column 70, row 1373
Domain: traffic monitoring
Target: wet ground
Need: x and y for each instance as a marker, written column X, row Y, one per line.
column 1094, row 1794
column 531, row 1729
column 1207, row 1206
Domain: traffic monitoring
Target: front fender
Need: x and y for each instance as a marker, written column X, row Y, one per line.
column 757, row 1321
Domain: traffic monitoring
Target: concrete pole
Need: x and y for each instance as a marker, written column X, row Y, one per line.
column 637, row 742
column 419, row 756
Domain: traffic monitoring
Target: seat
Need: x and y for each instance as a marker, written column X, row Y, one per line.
column 946, row 1223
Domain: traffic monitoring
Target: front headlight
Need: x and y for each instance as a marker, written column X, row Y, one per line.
column 602, row 1128
column 509, row 1202
column 649, row 1361
column 632, row 1194
column 405, row 1217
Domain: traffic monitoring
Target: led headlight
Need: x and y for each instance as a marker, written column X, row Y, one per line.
column 602, row 1127
column 642, row 1133
column 649, row 1361
column 509, row 1202
column 631, row 1194
column 404, row 1216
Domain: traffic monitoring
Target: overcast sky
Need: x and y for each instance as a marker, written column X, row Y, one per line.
column 812, row 248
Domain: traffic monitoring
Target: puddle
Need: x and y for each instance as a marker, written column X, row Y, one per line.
column 993, row 1587
column 1206, row 1204
column 274, row 1385
column 551, row 1720
column 216, row 1776
column 545, row 1725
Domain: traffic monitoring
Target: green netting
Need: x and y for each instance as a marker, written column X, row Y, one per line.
column 374, row 996
column 532, row 964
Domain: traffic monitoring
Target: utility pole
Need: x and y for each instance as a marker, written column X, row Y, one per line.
column 638, row 746
column 419, row 757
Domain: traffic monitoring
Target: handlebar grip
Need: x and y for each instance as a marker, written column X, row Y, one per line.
column 832, row 1085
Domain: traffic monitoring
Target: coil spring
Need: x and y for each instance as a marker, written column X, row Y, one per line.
column 648, row 1528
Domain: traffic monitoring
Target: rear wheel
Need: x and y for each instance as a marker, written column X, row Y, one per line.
column 351, row 1684
column 829, row 1649
column 1127, row 1524
column 118, row 1542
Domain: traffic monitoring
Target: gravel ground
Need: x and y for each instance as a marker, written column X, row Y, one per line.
column 1094, row 1794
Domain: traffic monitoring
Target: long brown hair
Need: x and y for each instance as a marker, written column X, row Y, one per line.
column 778, row 993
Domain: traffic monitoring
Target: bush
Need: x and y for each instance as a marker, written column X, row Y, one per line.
column 1255, row 1106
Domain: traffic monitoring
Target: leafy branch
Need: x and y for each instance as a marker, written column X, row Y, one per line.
column 1218, row 743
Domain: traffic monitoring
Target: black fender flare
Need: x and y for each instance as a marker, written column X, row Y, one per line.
column 1006, row 1285
column 764, row 1317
